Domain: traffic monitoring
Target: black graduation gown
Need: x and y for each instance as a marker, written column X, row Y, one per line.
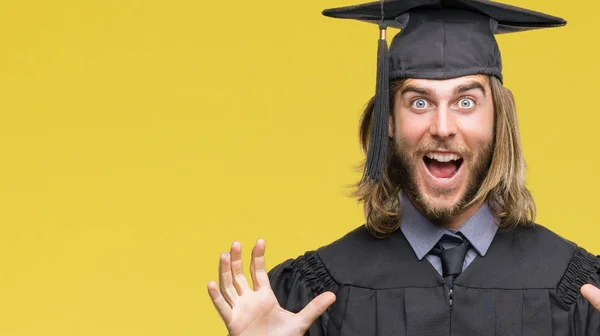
column 527, row 285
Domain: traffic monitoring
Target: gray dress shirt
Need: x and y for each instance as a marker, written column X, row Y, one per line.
column 423, row 235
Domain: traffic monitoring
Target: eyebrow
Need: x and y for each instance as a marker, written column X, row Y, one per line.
column 419, row 90
column 470, row 86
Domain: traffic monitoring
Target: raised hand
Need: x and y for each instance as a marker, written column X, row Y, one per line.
column 250, row 312
column 592, row 293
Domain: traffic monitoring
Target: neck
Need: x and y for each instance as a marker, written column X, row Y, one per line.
column 457, row 221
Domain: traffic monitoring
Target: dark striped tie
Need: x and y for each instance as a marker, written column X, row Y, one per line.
column 452, row 260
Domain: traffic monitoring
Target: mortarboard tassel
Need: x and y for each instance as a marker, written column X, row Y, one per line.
column 378, row 141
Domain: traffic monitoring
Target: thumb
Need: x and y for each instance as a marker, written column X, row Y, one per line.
column 592, row 294
column 315, row 308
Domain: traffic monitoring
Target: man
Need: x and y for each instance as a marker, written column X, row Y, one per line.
column 450, row 246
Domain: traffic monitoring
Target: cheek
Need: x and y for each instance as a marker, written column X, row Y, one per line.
column 411, row 128
column 478, row 129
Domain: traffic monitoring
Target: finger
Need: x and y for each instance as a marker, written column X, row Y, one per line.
column 592, row 293
column 226, row 280
column 316, row 308
column 258, row 270
column 219, row 302
column 239, row 280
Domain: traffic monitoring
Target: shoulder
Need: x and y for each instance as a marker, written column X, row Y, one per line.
column 311, row 272
column 536, row 241
column 359, row 248
column 339, row 262
column 537, row 234
column 531, row 245
column 362, row 260
column 579, row 266
column 357, row 242
column 544, row 258
column 540, row 244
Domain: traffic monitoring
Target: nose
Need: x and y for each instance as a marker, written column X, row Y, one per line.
column 443, row 123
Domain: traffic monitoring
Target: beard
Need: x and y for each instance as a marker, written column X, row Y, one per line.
column 404, row 167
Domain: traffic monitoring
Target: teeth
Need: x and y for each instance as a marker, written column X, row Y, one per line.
column 443, row 157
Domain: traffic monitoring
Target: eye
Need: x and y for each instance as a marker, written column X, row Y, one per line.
column 420, row 104
column 466, row 103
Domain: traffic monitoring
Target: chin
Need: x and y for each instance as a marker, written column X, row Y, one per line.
column 441, row 201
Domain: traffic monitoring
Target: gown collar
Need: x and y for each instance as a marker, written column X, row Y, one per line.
column 422, row 234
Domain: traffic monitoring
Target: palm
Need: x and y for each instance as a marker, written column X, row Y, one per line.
column 248, row 312
column 260, row 311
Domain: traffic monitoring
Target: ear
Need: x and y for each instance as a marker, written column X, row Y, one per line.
column 391, row 127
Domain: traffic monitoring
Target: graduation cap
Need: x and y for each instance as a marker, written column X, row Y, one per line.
column 438, row 39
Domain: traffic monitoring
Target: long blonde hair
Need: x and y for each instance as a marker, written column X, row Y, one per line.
column 503, row 186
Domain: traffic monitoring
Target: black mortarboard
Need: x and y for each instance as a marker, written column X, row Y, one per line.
column 439, row 39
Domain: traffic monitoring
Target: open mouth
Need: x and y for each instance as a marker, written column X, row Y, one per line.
column 443, row 165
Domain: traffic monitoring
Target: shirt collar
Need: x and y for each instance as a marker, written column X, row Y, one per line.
column 422, row 234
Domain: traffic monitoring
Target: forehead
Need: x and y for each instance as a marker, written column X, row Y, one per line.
column 447, row 85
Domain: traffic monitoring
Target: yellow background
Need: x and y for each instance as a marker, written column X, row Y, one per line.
column 139, row 138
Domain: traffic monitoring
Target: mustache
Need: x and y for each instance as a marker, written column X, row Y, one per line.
column 445, row 146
